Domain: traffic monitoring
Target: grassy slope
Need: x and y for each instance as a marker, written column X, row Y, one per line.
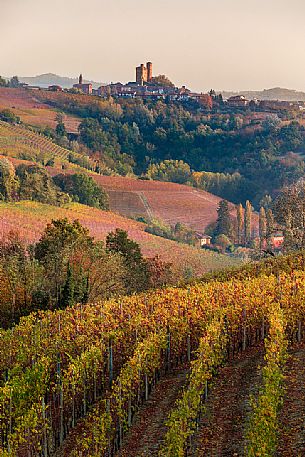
column 30, row 218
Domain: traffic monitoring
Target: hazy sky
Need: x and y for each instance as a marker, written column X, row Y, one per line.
column 224, row 44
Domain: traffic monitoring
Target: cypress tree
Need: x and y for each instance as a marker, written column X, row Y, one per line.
column 247, row 223
column 224, row 223
column 262, row 226
column 239, row 217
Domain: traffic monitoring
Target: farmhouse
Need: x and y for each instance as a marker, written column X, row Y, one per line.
column 203, row 240
column 277, row 240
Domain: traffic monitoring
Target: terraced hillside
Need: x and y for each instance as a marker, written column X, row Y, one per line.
column 19, row 141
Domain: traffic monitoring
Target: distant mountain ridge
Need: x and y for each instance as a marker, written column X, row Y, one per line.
column 49, row 79
column 276, row 93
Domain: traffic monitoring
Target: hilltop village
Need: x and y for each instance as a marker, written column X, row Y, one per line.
column 150, row 87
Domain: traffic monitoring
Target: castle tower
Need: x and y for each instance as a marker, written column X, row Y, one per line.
column 141, row 74
column 149, row 71
column 80, row 79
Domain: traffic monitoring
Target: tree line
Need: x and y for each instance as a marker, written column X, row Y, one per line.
column 68, row 266
column 33, row 182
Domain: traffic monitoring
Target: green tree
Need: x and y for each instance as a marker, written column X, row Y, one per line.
column 170, row 170
column 68, row 290
column 60, row 242
column 83, row 189
column 248, row 223
column 289, row 211
column 240, row 220
column 14, row 82
column 37, row 185
column 224, row 222
column 8, row 116
column 162, row 80
column 9, row 183
column 61, row 129
column 262, row 226
column 223, row 241
column 3, row 82
column 137, row 273
column 269, row 223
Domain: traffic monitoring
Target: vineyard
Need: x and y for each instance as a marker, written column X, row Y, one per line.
column 25, row 104
column 18, row 141
column 30, row 219
column 75, row 382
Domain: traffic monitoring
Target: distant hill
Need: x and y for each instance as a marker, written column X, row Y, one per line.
column 48, row 79
column 277, row 93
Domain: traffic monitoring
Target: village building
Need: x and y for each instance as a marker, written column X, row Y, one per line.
column 238, row 101
column 55, row 88
column 85, row 88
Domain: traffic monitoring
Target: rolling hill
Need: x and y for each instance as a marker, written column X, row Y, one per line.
column 32, row 111
column 129, row 197
column 276, row 93
column 30, row 218
column 154, row 199
column 48, row 79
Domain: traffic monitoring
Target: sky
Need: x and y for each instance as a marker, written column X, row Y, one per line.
column 204, row 44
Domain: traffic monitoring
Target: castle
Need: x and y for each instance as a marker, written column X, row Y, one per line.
column 144, row 74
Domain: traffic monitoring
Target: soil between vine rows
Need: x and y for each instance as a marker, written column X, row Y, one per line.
column 292, row 417
column 222, row 428
column 148, row 429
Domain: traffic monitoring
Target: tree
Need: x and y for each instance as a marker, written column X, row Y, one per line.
column 162, row 80
column 60, row 242
column 8, row 116
column 3, row 82
column 247, row 223
column 240, row 219
column 14, row 82
column 37, row 185
column 9, row 183
column 269, row 223
column 223, row 223
column 137, row 274
column 68, row 290
column 223, row 241
column 289, row 211
column 262, row 226
column 170, row 170
column 61, row 129
column 160, row 273
column 18, row 278
column 83, row 189
column 92, row 135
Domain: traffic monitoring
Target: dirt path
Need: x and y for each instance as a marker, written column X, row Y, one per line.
column 292, row 418
column 222, row 429
column 148, row 429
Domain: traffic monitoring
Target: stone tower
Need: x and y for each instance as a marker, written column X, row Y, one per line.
column 144, row 74
column 149, row 71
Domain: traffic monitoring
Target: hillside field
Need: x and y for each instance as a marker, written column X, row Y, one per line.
column 30, row 218
column 32, row 111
